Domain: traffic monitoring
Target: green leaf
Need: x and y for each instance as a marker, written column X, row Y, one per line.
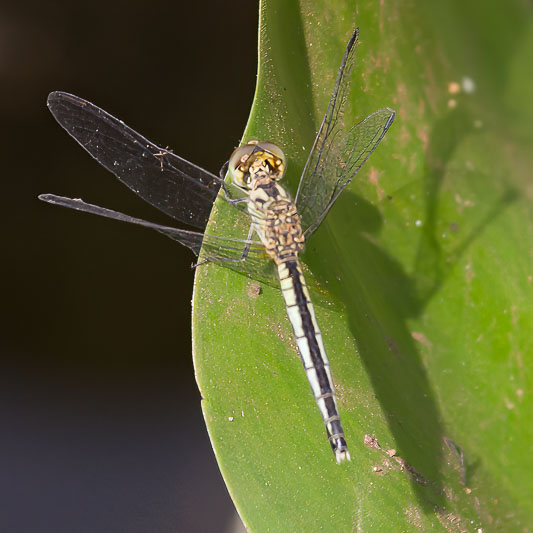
column 424, row 274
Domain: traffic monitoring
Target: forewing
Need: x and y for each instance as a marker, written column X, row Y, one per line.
column 341, row 162
column 166, row 181
column 221, row 250
column 336, row 156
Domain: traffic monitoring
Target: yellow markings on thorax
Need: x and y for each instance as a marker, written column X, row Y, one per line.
column 275, row 219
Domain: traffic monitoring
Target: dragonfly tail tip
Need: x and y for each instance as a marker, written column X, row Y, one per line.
column 342, row 455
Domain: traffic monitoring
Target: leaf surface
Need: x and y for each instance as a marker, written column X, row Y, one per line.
column 423, row 274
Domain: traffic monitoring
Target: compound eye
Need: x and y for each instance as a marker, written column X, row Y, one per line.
column 237, row 163
column 248, row 155
column 274, row 149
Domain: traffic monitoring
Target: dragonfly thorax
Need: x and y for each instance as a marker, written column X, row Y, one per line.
column 186, row 192
column 275, row 219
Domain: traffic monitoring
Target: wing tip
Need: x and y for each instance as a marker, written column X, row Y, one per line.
column 58, row 97
column 53, row 97
column 54, row 199
column 353, row 40
column 391, row 118
column 46, row 197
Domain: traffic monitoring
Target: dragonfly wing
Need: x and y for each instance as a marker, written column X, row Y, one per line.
column 343, row 161
column 221, row 250
column 166, row 181
column 337, row 156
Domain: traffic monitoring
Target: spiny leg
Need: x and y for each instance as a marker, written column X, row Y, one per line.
column 243, row 257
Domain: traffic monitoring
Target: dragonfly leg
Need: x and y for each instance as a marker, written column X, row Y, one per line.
column 222, row 174
column 228, row 197
column 243, row 256
column 227, row 194
column 234, row 201
column 223, row 171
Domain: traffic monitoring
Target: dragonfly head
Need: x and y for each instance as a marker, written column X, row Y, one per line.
column 256, row 159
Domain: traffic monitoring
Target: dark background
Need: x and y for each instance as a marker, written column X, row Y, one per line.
column 100, row 419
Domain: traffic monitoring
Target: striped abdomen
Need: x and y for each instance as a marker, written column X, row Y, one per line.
column 312, row 352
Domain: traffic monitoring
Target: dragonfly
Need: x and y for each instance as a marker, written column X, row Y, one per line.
column 187, row 193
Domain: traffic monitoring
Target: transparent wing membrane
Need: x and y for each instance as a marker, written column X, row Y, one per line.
column 221, row 250
column 187, row 193
column 191, row 239
column 171, row 184
column 261, row 206
column 337, row 156
column 340, row 160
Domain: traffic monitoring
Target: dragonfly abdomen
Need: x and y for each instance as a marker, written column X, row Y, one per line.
column 312, row 352
column 277, row 223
